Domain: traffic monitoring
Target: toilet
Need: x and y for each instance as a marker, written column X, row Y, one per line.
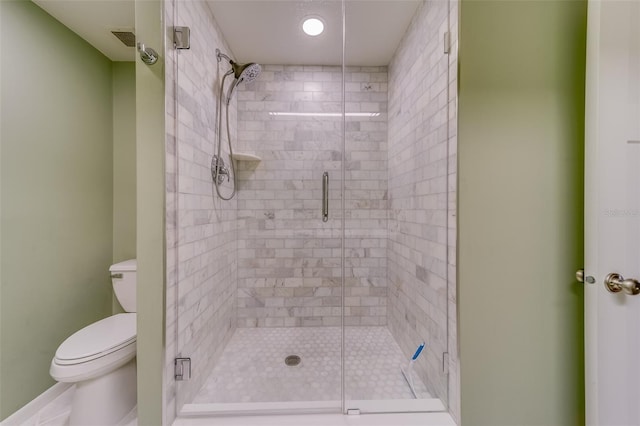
column 100, row 359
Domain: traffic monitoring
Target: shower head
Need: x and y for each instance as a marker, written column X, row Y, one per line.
column 242, row 72
column 246, row 72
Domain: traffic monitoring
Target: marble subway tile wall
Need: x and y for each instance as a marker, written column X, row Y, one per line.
column 289, row 260
column 421, row 163
column 201, row 228
column 366, row 196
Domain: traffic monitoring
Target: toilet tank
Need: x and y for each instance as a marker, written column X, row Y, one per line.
column 123, row 278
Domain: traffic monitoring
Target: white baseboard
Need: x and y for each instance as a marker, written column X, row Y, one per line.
column 130, row 419
column 32, row 408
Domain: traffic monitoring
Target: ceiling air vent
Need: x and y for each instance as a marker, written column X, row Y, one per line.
column 127, row 37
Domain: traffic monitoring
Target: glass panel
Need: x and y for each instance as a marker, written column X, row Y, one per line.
column 258, row 294
column 396, row 201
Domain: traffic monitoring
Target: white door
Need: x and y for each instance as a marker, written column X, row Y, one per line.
column 612, row 211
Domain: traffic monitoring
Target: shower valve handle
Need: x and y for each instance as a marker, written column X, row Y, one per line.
column 223, row 171
column 219, row 170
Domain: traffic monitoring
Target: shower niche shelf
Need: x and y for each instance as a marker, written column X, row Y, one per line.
column 245, row 156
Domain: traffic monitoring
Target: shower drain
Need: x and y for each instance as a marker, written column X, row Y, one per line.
column 292, row 360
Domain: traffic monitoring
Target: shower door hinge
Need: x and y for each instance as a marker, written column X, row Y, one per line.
column 182, row 369
column 445, row 362
column 181, row 37
column 447, row 43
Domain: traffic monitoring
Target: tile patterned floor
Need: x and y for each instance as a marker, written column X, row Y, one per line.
column 252, row 367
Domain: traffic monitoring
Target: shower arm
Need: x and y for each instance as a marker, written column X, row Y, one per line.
column 221, row 55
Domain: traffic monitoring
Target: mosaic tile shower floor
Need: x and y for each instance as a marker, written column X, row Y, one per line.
column 252, row 367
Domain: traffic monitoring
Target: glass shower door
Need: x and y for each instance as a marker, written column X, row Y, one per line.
column 258, row 277
column 289, row 214
column 284, row 299
column 400, row 130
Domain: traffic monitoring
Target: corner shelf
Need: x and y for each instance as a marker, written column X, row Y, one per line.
column 244, row 156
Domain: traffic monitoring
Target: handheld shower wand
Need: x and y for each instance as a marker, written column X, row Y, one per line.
column 241, row 72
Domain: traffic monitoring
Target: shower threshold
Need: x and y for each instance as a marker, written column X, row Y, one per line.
column 312, row 407
column 404, row 419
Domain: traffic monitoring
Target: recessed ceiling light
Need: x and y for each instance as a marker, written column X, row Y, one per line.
column 313, row 26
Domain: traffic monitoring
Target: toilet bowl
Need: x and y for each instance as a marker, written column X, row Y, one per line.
column 101, row 360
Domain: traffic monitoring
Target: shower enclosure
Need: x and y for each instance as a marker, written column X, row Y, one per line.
column 312, row 286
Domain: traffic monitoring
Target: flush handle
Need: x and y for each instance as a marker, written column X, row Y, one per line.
column 116, row 276
column 616, row 283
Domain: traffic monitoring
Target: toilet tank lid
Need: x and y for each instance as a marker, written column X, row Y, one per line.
column 126, row 266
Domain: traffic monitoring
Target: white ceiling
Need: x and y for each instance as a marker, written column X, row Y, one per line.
column 270, row 32
column 263, row 31
column 93, row 20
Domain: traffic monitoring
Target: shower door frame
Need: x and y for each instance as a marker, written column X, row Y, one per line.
column 292, row 407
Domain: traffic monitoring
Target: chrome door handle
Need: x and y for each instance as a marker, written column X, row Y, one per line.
column 616, row 283
column 325, row 196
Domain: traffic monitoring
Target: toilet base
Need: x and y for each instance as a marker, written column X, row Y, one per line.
column 105, row 400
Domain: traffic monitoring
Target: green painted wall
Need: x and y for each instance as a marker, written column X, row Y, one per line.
column 57, row 194
column 124, row 161
column 521, row 121
column 124, row 164
column 150, row 172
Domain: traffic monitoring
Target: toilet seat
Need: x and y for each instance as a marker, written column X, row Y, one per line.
column 98, row 339
column 96, row 349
